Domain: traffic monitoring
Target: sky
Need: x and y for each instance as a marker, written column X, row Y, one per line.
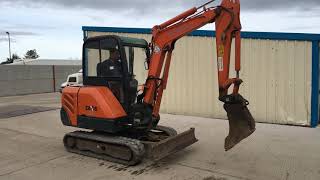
column 53, row 27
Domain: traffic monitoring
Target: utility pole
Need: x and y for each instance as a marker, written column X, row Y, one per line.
column 9, row 45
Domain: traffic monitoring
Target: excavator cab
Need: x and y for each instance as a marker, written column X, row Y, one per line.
column 110, row 61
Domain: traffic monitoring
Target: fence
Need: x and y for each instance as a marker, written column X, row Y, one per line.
column 20, row 80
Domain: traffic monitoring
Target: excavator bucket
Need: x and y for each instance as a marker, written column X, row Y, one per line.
column 241, row 122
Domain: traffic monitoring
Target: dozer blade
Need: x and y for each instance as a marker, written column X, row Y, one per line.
column 241, row 122
column 163, row 148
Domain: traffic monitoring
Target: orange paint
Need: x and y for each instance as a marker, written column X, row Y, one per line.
column 91, row 101
column 179, row 17
column 69, row 101
column 99, row 102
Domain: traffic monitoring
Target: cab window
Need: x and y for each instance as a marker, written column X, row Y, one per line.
column 136, row 58
column 102, row 58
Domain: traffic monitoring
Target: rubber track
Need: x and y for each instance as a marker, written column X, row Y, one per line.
column 136, row 147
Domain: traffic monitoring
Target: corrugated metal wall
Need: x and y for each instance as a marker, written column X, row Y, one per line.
column 276, row 74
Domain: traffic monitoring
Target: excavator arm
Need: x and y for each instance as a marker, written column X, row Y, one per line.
column 164, row 36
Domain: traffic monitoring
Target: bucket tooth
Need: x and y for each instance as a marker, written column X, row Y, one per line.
column 241, row 122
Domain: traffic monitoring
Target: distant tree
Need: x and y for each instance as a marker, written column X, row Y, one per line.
column 14, row 57
column 31, row 54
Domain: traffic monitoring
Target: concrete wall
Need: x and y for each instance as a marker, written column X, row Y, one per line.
column 20, row 80
column 61, row 73
column 276, row 74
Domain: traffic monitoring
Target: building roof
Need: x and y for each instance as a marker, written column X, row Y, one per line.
column 206, row 33
column 57, row 62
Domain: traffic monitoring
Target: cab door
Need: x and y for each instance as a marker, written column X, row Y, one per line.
column 101, row 68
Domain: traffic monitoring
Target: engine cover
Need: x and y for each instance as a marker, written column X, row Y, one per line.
column 91, row 107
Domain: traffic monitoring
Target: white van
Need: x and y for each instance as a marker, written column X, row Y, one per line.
column 73, row 80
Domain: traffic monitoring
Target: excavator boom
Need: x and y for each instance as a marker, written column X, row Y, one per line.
column 227, row 19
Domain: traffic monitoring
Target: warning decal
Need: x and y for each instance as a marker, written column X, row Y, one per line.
column 220, row 63
column 220, row 51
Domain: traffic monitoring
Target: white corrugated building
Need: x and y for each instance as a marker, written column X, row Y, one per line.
column 280, row 73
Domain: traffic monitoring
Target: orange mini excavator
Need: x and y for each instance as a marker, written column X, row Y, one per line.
column 124, row 121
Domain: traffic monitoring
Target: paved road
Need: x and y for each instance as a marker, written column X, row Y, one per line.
column 31, row 148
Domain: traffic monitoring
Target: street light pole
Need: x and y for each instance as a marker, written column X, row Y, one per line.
column 9, row 45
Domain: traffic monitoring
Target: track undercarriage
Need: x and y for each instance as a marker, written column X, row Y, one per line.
column 126, row 149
